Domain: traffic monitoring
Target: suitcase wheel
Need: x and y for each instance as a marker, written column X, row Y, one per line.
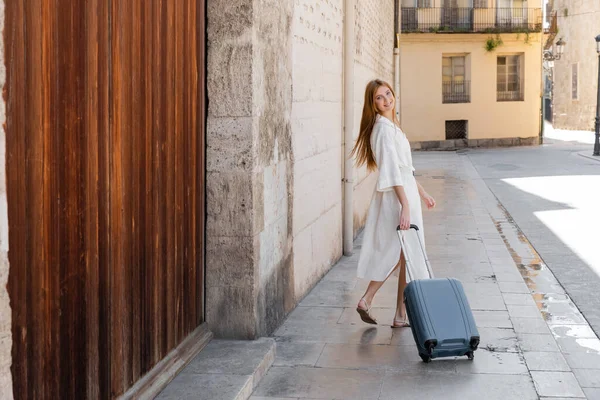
column 470, row 355
column 426, row 359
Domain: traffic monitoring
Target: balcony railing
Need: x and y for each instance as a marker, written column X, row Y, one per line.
column 471, row 20
column 456, row 92
column 512, row 91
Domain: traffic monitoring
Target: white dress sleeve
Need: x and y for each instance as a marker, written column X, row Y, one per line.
column 387, row 159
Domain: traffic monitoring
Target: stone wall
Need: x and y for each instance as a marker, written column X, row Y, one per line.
column 249, row 172
column 317, row 117
column 317, row 124
column 5, row 312
column 374, row 59
column 578, row 25
column 275, row 150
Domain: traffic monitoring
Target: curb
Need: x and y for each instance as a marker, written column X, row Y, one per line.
column 586, row 154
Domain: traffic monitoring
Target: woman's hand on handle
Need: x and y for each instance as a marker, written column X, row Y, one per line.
column 405, row 219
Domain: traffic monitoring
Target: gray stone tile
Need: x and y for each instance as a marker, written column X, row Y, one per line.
column 402, row 337
column 383, row 315
column 487, row 303
column 293, row 354
column 481, row 289
column 207, row 387
column 579, row 345
column 588, row 378
column 583, row 360
column 592, row 393
column 239, row 357
column 532, row 342
column 519, row 299
column 556, row 384
column 487, row 362
column 572, row 331
column 314, row 316
column 530, row 325
column 492, row 319
column 523, row 311
column 513, row 287
column 320, row 383
column 385, row 358
column 546, row 361
column 332, row 294
column 506, row 276
column 557, row 398
column 358, row 334
column 498, row 340
column 467, row 387
column 274, row 398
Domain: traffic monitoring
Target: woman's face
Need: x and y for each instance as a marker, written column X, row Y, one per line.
column 384, row 99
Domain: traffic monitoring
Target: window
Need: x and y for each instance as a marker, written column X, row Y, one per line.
column 416, row 3
column 455, row 86
column 480, row 3
column 575, row 82
column 509, row 78
column 456, row 129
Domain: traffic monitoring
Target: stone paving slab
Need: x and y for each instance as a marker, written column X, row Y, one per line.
column 223, row 370
column 327, row 352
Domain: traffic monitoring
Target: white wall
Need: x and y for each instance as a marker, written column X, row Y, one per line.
column 317, row 123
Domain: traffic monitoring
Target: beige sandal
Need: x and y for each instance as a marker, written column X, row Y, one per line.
column 400, row 323
column 365, row 313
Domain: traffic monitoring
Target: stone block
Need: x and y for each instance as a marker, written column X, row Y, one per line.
column 229, row 144
column 430, row 145
column 485, row 143
column 229, row 204
column 230, row 261
column 229, row 78
column 231, row 312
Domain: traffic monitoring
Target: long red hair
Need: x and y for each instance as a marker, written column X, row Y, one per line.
column 362, row 148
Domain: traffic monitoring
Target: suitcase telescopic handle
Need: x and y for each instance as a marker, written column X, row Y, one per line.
column 412, row 226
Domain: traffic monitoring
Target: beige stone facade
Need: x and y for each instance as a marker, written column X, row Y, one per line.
column 576, row 73
column 486, row 108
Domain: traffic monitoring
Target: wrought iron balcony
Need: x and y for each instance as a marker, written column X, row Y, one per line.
column 471, row 20
column 456, row 92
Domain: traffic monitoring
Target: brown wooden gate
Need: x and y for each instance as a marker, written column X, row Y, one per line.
column 105, row 180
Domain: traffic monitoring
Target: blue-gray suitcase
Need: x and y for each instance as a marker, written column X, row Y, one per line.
column 440, row 317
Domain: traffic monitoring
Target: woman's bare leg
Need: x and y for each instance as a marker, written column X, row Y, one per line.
column 400, row 307
column 372, row 289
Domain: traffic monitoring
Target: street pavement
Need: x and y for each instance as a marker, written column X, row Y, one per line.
column 535, row 342
column 552, row 193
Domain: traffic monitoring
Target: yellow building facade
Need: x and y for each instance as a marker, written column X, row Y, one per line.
column 470, row 72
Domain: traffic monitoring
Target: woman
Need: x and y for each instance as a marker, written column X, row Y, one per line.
column 382, row 145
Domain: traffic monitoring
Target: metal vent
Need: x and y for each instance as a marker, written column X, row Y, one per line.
column 456, row 129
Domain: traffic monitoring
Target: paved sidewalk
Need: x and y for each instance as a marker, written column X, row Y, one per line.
column 324, row 351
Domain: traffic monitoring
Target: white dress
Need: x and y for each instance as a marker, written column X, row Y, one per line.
column 380, row 251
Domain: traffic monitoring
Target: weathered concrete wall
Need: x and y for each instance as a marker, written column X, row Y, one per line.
column 578, row 25
column 5, row 312
column 249, row 172
column 374, row 59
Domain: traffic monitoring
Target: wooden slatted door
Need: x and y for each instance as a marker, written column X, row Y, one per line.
column 105, row 184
